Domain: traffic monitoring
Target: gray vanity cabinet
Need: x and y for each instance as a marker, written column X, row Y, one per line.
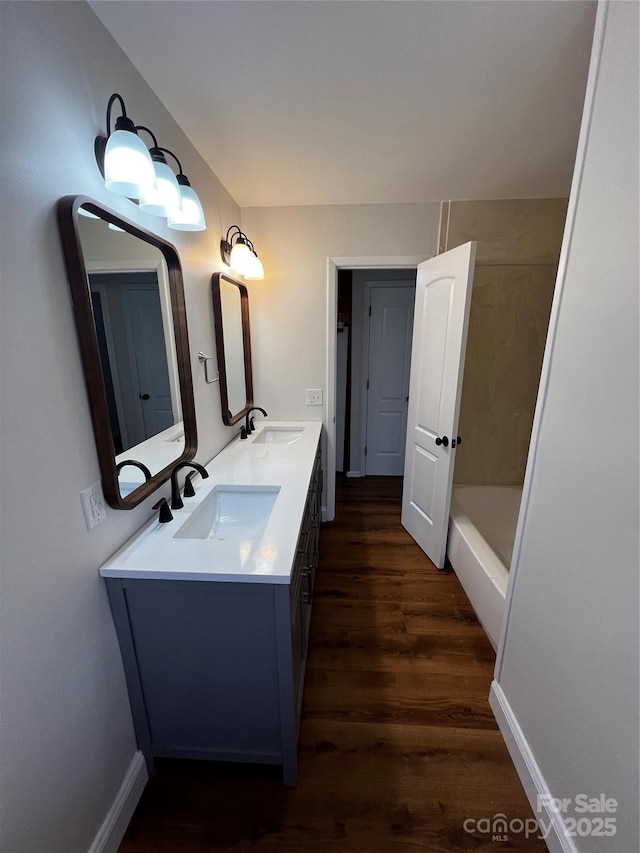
column 215, row 670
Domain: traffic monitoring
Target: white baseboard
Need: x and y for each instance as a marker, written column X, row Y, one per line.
column 533, row 782
column 354, row 474
column 115, row 823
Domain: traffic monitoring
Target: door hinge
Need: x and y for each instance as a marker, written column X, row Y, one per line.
column 369, row 310
column 367, row 384
column 365, row 451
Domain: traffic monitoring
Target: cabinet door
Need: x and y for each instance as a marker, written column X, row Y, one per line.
column 306, row 589
column 298, row 638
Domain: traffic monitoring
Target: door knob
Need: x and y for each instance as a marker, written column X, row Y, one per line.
column 143, row 396
column 444, row 441
column 456, row 441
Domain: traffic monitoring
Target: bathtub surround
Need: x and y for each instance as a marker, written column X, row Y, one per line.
column 507, row 231
column 515, row 272
column 516, row 262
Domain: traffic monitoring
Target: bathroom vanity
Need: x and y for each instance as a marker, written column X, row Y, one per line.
column 212, row 609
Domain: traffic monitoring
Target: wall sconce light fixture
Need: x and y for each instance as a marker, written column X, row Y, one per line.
column 238, row 252
column 130, row 170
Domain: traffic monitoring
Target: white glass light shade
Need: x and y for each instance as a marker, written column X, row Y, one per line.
column 128, row 167
column 240, row 258
column 162, row 198
column 256, row 270
column 189, row 216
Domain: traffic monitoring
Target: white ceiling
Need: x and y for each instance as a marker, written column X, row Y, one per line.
column 335, row 102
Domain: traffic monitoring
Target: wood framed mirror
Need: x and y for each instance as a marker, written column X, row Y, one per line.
column 233, row 346
column 128, row 302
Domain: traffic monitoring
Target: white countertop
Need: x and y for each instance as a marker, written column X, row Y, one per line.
column 155, row 452
column 154, row 554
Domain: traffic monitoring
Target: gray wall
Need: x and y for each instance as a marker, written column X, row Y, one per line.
column 568, row 663
column 66, row 738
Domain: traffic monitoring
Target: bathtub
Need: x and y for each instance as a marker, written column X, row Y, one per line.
column 482, row 527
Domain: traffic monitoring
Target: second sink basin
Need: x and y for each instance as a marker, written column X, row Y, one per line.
column 231, row 512
column 278, row 435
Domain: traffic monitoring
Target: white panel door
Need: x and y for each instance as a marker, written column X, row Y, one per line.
column 441, row 319
column 390, row 329
column 143, row 314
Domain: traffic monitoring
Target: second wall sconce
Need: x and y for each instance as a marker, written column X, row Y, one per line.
column 238, row 252
column 133, row 171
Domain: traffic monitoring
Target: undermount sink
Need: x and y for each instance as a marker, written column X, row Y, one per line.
column 231, row 512
column 278, row 435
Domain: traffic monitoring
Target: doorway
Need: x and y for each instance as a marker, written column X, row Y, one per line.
column 406, row 263
column 375, row 321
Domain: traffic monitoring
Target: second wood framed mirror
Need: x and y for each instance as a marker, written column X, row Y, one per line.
column 233, row 346
column 128, row 300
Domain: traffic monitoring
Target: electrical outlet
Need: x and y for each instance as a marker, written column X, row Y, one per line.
column 93, row 505
column 314, row 396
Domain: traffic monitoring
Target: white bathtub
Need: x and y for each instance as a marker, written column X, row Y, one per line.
column 482, row 528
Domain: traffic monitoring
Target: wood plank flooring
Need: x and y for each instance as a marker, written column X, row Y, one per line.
column 398, row 745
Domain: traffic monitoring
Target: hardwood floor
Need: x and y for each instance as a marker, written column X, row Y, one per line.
column 398, row 745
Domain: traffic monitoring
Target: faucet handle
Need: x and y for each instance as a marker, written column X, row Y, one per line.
column 243, row 432
column 189, row 491
column 165, row 513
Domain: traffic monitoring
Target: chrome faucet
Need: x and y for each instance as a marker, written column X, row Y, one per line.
column 248, row 424
column 176, row 500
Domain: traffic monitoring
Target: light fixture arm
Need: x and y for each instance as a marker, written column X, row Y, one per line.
column 112, row 100
column 158, row 152
column 230, row 236
column 150, row 132
column 123, row 122
column 180, row 177
column 226, row 245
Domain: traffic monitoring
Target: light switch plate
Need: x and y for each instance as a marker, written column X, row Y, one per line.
column 93, row 505
column 314, row 396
